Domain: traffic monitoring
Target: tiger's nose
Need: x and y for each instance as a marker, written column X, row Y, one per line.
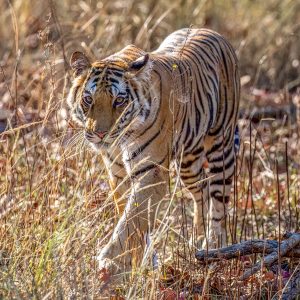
column 101, row 134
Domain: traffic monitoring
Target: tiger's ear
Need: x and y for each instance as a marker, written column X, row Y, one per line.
column 138, row 66
column 139, row 63
column 79, row 62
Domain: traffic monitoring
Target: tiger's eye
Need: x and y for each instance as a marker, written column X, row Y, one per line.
column 86, row 103
column 119, row 102
column 88, row 100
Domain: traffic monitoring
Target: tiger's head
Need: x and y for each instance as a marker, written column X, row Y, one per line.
column 109, row 98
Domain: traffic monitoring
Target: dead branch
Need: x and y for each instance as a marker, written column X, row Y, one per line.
column 287, row 248
column 244, row 248
column 293, row 288
column 290, row 247
column 271, row 258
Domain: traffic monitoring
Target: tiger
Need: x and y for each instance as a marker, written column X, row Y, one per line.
column 142, row 111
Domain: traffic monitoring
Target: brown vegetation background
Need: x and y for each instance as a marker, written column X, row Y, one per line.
column 55, row 207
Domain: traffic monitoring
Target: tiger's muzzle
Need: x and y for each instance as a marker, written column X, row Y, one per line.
column 96, row 137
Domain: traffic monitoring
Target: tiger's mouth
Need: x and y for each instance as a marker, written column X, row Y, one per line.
column 102, row 140
column 98, row 139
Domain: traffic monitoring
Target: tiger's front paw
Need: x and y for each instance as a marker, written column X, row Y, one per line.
column 214, row 241
column 109, row 274
column 112, row 270
column 209, row 243
column 105, row 280
column 107, row 265
column 196, row 241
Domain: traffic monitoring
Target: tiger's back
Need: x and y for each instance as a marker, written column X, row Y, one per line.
column 204, row 85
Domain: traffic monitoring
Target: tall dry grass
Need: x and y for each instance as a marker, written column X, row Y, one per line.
column 55, row 206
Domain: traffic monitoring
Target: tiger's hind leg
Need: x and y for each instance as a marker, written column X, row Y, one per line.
column 194, row 178
column 221, row 164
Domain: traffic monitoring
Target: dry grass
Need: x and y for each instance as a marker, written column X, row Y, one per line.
column 54, row 205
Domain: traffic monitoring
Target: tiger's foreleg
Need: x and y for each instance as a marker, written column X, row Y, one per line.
column 149, row 185
column 118, row 180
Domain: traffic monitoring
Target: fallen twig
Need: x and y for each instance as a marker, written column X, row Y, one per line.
column 270, row 259
column 244, row 248
column 292, row 288
column 288, row 248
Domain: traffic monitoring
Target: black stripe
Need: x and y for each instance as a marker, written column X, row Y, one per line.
column 208, row 59
column 117, row 73
column 222, row 182
column 148, row 168
column 223, row 154
column 196, row 62
column 188, row 144
column 217, row 219
column 220, row 198
column 192, row 176
column 222, row 125
column 198, row 151
column 225, row 63
column 157, row 112
column 211, row 109
column 217, row 170
column 140, row 149
column 216, row 147
column 113, row 80
column 187, row 164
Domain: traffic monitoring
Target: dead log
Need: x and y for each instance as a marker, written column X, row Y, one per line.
column 244, row 248
column 289, row 247
column 284, row 247
column 292, row 288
